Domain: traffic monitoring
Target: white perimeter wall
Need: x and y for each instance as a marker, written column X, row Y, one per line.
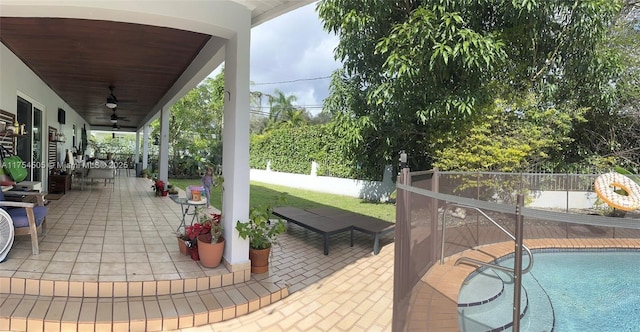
column 380, row 190
column 563, row 199
column 369, row 190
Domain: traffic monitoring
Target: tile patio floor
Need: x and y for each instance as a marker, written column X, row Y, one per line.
column 110, row 262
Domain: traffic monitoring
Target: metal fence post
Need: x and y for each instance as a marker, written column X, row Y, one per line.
column 402, row 254
column 517, row 264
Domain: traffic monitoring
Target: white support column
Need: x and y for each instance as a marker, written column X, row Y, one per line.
column 145, row 147
column 136, row 159
column 235, row 151
column 163, row 151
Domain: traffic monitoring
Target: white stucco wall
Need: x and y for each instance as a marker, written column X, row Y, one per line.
column 563, row 199
column 370, row 190
column 16, row 79
column 380, row 190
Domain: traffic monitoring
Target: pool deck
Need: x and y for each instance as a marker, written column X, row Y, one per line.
column 438, row 293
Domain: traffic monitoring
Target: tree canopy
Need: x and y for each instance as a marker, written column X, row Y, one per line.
column 195, row 126
column 429, row 76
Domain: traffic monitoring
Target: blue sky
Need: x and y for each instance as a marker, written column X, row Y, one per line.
column 294, row 47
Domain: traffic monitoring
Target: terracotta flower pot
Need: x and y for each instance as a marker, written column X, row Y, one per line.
column 210, row 253
column 183, row 247
column 259, row 260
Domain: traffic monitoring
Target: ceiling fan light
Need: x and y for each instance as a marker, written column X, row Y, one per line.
column 111, row 104
column 114, row 121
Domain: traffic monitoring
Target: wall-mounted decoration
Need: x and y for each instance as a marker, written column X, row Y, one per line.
column 61, row 116
column 83, row 140
column 52, row 149
column 7, row 140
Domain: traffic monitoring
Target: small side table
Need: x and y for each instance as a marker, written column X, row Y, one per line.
column 185, row 205
column 59, row 183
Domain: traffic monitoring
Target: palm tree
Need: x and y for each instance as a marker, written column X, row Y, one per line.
column 297, row 118
column 280, row 106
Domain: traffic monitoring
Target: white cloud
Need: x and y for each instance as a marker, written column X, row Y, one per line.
column 294, row 47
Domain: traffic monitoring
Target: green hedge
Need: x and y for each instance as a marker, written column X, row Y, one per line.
column 292, row 150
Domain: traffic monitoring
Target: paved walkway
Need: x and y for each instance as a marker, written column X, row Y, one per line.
column 84, row 249
column 331, row 293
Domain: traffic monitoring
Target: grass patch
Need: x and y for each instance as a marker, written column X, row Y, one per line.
column 263, row 193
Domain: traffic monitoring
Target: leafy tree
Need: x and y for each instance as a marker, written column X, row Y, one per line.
column 258, row 119
column 321, row 118
column 281, row 106
column 510, row 137
column 420, row 74
column 195, row 126
column 610, row 135
column 282, row 111
column 121, row 146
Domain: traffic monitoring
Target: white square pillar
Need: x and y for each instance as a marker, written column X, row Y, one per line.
column 145, row 147
column 137, row 153
column 235, row 150
column 163, row 151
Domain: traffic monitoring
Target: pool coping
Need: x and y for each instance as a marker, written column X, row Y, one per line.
column 444, row 280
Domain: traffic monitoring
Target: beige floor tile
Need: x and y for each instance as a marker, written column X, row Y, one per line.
column 86, row 268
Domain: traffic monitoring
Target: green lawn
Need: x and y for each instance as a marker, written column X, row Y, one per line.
column 263, row 193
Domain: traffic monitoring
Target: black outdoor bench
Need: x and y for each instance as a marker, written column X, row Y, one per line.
column 313, row 222
column 327, row 221
column 360, row 223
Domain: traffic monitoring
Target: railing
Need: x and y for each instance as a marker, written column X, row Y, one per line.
column 422, row 195
column 476, row 261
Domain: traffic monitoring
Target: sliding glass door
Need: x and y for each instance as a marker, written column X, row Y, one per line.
column 29, row 146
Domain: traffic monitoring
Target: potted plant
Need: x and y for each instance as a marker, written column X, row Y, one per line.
column 160, row 188
column 184, row 243
column 262, row 234
column 144, row 173
column 207, row 234
column 173, row 191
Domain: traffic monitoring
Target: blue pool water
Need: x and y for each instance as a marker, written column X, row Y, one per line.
column 587, row 290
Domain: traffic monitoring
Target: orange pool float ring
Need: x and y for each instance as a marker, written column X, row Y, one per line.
column 606, row 184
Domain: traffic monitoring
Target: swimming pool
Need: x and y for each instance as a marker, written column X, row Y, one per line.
column 587, row 290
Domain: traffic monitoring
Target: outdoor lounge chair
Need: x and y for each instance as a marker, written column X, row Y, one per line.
column 327, row 221
column 27, row 217
column 360, row 222
column 313, row 222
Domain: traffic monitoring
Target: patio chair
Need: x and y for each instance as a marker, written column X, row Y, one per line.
column 27, row 217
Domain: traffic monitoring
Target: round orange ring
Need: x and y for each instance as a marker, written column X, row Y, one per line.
column 606, row 184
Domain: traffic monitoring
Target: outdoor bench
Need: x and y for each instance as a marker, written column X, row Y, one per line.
column 313, row 222
column 327, row 221
column 360, row 223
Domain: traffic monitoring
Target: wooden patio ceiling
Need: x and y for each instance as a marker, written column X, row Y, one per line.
column 80, row 59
